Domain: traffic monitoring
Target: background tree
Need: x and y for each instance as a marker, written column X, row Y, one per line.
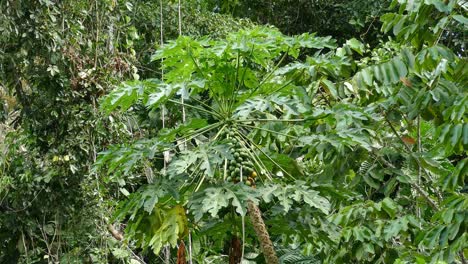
column 337, row 18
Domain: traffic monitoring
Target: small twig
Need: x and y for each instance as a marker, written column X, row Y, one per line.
column 418, row 209
column 368, row 28
column 24, row 208
column 97, row 35
column 25, row 248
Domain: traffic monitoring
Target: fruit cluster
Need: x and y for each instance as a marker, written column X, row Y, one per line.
column 240, row 164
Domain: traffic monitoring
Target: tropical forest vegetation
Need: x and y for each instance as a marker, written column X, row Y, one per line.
column 233, row 131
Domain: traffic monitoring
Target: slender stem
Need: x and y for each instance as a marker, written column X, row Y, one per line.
column 237, row 67
column 288, row 83
column 166, row 154
column 219, row 132
column 196, row 107
column 396, row 134
column 270, row 73
column 285, row 85
column 270, row 120
column 431, row 202
column 191, row 176
column 197, row 133
column 200, row 183
column 196, row 169
column 225, row 169
column 190, row 246
column 462, row 257
column 234, row 90
column 413, row 185
column 232, row 101
column 193, row 135
column 199, row 164
column 243, row 236
column 205, row 105
column 439, row 195
column 180, row 18
column 406, row 147
column 245, row 69
column 418, row 209
column 266, row 155
column 97, row 34
column 184, row 119
column 268, row 130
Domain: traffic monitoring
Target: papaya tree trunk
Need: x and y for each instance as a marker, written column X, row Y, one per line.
column 181, row 258
column 262, row 233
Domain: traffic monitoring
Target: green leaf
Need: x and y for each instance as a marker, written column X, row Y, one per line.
column 367, row 76
column 331, row 88
column 146, row 198
column 390, row 207
column 213, row 199
column 285, row 163
column 356, row 45
column 456, row 134
column 123, row 96
column 460, row 18
column 299, row 192
column 120, row 253
column 121, row 159
column 313, row 199
column 162, row 93
column 456, row 178
column 395, row 227
column 173, row 227
column 442, row 6
column 407, row 57
column 207, row 157
column 400, row 69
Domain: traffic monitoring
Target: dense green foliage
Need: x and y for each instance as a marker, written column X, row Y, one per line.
column 353, row 146
column 340, row 18
column 56, row 60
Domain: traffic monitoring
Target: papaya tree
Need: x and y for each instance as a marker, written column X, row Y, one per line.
column 226, row 115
